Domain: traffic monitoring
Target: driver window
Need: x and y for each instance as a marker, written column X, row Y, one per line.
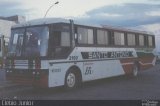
column 60, row 44
column 61, row 39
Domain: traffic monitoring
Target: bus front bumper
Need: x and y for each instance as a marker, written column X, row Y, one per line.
column 37, row 78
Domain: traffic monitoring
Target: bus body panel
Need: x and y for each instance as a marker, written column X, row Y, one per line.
column 91, row 69
column 92, row 66
column 97, row 72
column 58, row 71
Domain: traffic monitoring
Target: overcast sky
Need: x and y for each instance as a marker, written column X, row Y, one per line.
column 114, row 12
column 143, row 14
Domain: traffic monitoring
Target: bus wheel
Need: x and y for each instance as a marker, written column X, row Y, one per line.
column 71, row 80
column 135, row 70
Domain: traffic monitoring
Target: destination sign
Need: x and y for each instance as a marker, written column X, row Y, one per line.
column 103, row 55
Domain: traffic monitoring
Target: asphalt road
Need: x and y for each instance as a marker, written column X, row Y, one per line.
column 145, row 86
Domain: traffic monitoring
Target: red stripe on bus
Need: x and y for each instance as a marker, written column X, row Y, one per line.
column 144, row 63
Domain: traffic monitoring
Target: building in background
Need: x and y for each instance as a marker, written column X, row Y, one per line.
column 7, row 22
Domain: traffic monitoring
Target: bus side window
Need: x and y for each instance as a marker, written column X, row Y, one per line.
column 150, row 41
column 131, row 39
column 57, row 38
column 102, row 37
column 119, row 38
column 85, row 36
column 141, row 40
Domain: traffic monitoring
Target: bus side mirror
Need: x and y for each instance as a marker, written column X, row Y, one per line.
column 39, row 42
column 75, row 36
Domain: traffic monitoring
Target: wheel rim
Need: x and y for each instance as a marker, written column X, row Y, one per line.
column 135, row 71
column 71, row 79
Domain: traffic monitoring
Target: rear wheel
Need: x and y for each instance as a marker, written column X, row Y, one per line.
column 135, row 70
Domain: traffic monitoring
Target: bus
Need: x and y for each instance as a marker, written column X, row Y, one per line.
column 55, row 52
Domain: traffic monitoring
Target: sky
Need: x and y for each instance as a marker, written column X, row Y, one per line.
column 138, row 14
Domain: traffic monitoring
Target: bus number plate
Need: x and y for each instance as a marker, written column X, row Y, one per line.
column 73, row 57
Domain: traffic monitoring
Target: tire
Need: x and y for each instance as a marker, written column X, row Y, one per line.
column 71, row 80
column 135, row 70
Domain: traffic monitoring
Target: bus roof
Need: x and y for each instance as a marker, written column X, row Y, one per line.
column 127, row 29
column 44, row 21
column 41, row 21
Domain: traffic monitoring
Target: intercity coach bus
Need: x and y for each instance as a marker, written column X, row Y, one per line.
column 58, row 52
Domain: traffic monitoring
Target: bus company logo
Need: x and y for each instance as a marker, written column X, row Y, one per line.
column 103, row 55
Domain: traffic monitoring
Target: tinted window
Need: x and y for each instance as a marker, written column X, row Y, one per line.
column 59, row 44
column 118, row 38
column 61, row 38
column 131, row 39
column 102, row 37
column 150, row 41
column 85, row 36
column 141, row 40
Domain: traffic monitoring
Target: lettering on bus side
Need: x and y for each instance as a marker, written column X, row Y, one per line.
column 103, row 55
column 56, row 70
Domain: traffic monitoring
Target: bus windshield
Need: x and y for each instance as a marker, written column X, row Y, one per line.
column 29, row 42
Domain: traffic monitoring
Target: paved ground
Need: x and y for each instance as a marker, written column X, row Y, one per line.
column 145, row 86
column 2, row 75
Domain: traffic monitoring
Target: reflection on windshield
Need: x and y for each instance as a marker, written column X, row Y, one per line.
column 16, row 42
column 33, row 43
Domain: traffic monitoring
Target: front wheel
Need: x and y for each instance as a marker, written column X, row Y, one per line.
column 71, row 80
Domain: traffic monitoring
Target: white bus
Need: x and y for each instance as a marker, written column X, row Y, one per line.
column 56, row 52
